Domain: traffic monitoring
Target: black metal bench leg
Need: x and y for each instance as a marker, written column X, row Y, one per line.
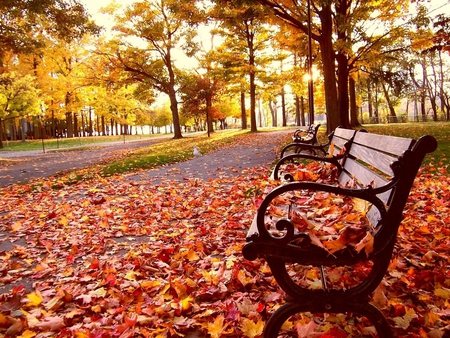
column 273, row 325
column 282, row 314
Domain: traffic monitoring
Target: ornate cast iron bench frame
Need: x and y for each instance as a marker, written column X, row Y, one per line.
column 383, row 169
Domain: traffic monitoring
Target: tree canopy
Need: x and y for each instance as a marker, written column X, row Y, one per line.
column 370, row 58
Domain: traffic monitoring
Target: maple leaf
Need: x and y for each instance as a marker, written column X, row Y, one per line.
column 444, row 293
column 34, row 299
column 51, row 323
column 16, row 327
column 27, row 334
column 405, row 321
column 250, row 328
column 216, row 328
column 307, row 330
column 366, row 243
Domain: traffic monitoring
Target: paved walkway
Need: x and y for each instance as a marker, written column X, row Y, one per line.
column 258, row 149
column 23, row 166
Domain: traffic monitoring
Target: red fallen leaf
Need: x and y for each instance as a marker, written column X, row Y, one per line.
column 95, row 264
column 70, row 259
column 260, row 307
column 98, row 201
column 235, row 225
column 165, row 254
column 52, row 215
column 232, row 312
column 110, row 279
column 129, row 322
column 335, row 333
column 257, row 201
column 13, row 303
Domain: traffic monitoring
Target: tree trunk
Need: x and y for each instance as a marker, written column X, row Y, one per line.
column 302, row 114
column 75, row 124
column 1, row 133
column 369, row 100
column 253, row 127
column 273, row 112
column 175, row 116
column 297, row 111
column 328, row 60
column 353, row 107
column 90, row 122
column 392, row 114
column 208, row 114
column 283, row 108
column 69, row 124
column 243, row 111
column 83, row 125
column 343, row 93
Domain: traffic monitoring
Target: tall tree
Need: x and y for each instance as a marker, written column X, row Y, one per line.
column 157, row 27
column 18, row 97
column 245, row 29
column 334, row 26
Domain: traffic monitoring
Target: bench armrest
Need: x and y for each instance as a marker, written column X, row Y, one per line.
column 258, row 229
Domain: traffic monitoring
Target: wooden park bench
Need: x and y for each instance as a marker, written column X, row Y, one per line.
column 311, row 233
column 302, row 137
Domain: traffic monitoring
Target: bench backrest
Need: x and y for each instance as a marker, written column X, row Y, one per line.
column 339, row 138
column 389, row 165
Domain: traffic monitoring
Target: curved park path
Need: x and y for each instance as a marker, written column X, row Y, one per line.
column 259, row 149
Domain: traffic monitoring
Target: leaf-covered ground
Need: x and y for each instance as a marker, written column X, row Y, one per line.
column 112, row 258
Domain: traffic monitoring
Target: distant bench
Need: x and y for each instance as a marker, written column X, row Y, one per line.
column 293, row 226
column 332, row 152
column 302, row 137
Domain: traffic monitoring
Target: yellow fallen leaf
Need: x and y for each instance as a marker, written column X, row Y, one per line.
column 130, row 275
column 252, row 329
column 34, row 299
column 16, row 226
column 63, row 221
column 186, row 303
column 442, row 292
column 215, row 329
column 27, row 334
column 192, row 256
column 3, row 319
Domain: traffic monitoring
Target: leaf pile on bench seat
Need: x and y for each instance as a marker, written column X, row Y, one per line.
column 332, row 222
column 312, row 171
